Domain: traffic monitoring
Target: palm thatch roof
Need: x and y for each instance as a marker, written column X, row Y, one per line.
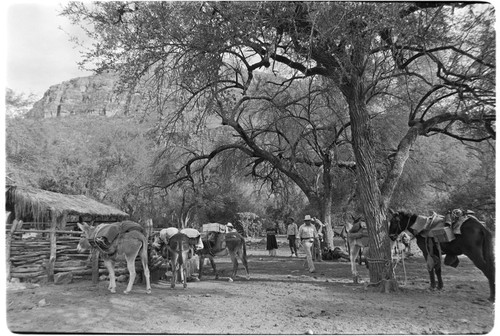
column 39, row 203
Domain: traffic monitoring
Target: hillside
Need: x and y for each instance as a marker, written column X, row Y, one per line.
column 92, row 95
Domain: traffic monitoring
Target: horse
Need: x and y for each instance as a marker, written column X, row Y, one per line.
column 128, row 244
column 356, row 246
column 235, row 246
column 178, row 246
column 474, row 240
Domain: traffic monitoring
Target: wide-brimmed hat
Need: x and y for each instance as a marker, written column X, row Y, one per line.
column 229, row 225
column 307, row 218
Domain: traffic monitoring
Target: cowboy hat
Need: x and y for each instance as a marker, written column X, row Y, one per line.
column 307, row 218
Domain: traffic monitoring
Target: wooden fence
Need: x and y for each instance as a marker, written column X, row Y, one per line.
column 36, row 254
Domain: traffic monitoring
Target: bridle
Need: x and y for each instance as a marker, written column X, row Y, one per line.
column 400, row 229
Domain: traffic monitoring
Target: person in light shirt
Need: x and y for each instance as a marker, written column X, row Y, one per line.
column 307, row 235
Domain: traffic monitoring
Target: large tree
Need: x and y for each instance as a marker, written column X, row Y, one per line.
column 436, row 57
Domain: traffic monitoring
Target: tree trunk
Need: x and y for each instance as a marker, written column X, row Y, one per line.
column 327, row 202
column 379, row 255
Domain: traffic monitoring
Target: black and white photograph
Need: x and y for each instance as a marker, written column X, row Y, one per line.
column 249, row 167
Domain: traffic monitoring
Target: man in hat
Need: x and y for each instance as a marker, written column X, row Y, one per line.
column 230, row 227
column 307, row 235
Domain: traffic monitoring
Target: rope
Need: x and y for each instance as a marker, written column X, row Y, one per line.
column 399, row 252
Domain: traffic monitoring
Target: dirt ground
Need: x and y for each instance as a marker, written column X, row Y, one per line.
column 281, row 297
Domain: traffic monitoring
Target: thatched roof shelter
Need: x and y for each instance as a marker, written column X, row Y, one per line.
column 41, row 204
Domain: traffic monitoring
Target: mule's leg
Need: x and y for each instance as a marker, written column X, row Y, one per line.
column 174, row 264
column 111, row 271
column 144, row 259
column 200, row 265
column 422, row 244
column 487, row 267
column 234, row 260
column 437, row 270
column 131, row 272
column 212, row 262
column 184, row 275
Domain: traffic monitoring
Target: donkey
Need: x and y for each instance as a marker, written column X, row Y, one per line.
column 474, row 240
column 178, row 248
column 128, row 244
column 235, row 246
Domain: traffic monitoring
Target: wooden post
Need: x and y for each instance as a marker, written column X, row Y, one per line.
column 13, row 228
column 95, row 266
column 53, row 245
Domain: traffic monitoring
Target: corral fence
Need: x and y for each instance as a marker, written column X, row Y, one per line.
column 37, row 251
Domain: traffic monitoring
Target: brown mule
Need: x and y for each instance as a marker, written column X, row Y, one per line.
column 127, row 244
column 235, row 246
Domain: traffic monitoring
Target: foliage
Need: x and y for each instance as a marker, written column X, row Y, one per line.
column 250, row 223
column 18, row 104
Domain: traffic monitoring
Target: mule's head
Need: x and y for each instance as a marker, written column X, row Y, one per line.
column 84, row 244
column 395, row 224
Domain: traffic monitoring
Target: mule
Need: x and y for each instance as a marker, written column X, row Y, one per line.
column 474, row 241
column 178, row 247
column 128, row 244
column 235, row 247
column 356, row 247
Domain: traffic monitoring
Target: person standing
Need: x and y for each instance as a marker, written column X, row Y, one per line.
column 272, row 244
column 307, row 235
column 292, row 232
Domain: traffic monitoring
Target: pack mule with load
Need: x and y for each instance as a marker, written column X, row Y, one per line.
column 435, row 238
column 217, row 243
column 114, row 240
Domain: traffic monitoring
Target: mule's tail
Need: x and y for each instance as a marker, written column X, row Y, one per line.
column 488, row 253
column 244, row 248
column 180, row 258
column 489, row 258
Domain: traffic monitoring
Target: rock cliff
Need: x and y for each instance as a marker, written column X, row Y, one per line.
column 95, row 95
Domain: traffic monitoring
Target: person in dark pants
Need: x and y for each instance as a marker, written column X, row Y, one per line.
column 292, row 231
column 272, row 243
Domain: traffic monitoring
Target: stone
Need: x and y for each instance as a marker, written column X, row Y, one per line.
column 123, row 278
column 63, row 278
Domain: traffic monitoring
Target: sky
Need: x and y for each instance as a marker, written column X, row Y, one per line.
column 38, row 49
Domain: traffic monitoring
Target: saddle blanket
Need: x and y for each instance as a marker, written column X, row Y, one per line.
column 111, row 231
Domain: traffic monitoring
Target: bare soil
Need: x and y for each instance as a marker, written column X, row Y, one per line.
column 280, row 298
